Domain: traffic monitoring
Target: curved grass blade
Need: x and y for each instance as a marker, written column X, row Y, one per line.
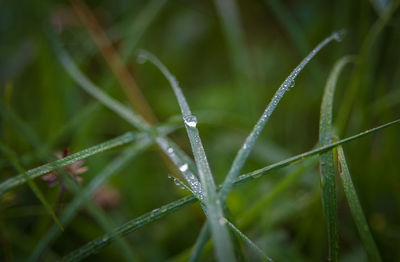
column 72, row 209
column 327, row 168
column 94, row 91
column 249, row 242
column 214, row 211
column 95, row 245
column 11, row 156
column 355, row 208
column 177, row 156
column 46, row 168
column 248, row 145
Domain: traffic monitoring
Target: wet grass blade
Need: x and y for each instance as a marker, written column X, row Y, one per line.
column 177, row 156
column 125, row 229
column 355, row 208
column 13, row 159
column 248, row 145
column 249, row 242
column 95, row 245
column 327, row 168
column 46, row 168
column 214, row 211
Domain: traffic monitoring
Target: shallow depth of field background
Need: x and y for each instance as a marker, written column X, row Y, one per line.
column 227, row 90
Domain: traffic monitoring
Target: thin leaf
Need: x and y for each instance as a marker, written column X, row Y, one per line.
column 11, row 156
column 251, row 214
column 355, row 208
column 327, row 168
column 248, row 145
column 46, row 168
column 95, row 245
column 72, row 209
column 249, row 242
column 214, row 211
column 93, row 90
column 125, row 229
column 200, row 243
column 177, row 156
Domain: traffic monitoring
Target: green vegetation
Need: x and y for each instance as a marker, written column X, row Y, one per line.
column 97, row 163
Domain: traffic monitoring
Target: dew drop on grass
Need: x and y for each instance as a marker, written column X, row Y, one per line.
column 190, row 120
column 222, row 221
column 183, row 167
column 338, row 36
column 170, row 150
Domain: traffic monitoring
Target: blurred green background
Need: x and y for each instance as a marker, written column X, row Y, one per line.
column 229, row 58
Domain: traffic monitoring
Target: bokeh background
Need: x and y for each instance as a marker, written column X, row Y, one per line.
column 229, row 58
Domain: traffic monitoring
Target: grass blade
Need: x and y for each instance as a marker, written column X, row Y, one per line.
column 94, row 91
column 251, row 214
column 46, row 168
column 327, row 168
column 11, row 156
column 95, row 245
column 260, row 172
column 355, row 208
column 249, row 242
column 214, row 211
column 71, row 210
column 125, row 229
column 170, row 149
column 200, row 243
column 248, row 145
column 141, row 23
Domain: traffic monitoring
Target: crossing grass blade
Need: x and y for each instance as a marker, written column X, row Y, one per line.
column 80, row 199
column 46, row 168
column 355, row 208
column 248, row 145
column 201, row 241
column 327, row 167
column 12, row 157
column 167, row 146
column 249, row 242
column 214, row 211
column 93, row 246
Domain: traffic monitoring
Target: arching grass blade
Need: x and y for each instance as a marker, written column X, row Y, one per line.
column 214, row 211
column 327, row 167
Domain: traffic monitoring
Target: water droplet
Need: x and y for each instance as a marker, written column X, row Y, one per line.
column 169, row 176
column 190, row 120
column 291, row 85
column 222, row 221
column 170, row 150
column 183, row 167
column 154, row 211
column 338, row 36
